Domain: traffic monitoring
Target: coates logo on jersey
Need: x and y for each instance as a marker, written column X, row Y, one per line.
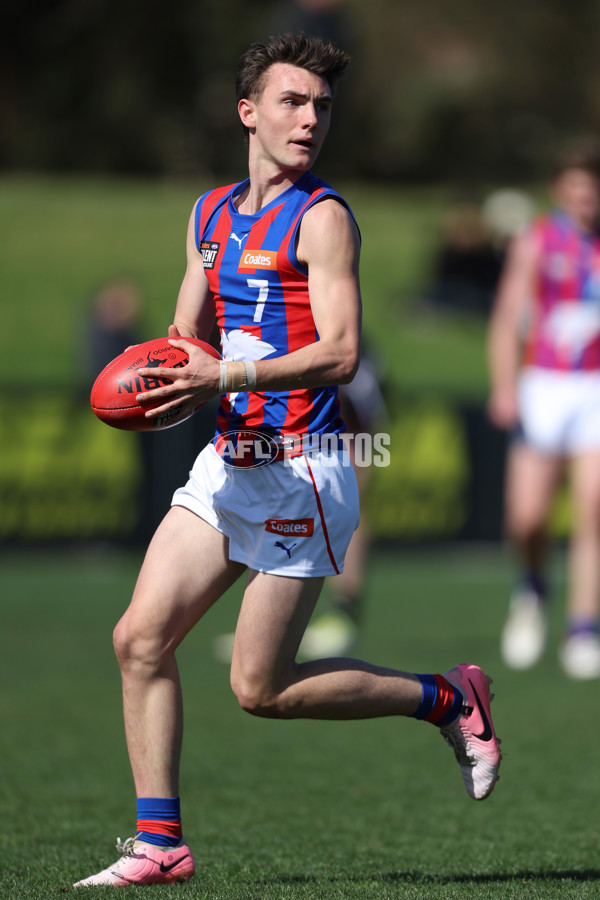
column 296, row 527
column 209, row 250
column 257, row 259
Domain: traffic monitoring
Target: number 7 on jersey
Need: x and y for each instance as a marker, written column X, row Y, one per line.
column 263, row 291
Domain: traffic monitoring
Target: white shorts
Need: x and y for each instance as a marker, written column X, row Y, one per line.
column 560, row 411
column 291, row 518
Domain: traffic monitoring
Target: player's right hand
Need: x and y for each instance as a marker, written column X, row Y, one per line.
column 503, row 408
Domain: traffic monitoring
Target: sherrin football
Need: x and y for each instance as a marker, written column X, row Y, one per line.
column 115, row 389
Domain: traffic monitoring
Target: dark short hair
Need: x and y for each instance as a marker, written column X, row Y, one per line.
column 581, row 153
column 310, row 53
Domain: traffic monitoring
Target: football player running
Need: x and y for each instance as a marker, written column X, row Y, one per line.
column 275, row 260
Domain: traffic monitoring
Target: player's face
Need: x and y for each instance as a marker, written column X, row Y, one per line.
column 578, row 193
column 289, row 121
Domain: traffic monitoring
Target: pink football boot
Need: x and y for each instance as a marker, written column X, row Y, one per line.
column 472, row 735
column 143, row 863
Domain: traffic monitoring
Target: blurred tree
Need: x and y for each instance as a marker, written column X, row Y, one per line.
column 439, row 90
column 466, row 91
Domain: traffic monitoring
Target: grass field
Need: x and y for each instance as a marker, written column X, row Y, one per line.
column 299, row 809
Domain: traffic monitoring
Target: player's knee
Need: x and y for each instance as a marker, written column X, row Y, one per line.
column 255, row 696
column 133, row 648
column 524, row 525
column 120, row 640
column 124, row 642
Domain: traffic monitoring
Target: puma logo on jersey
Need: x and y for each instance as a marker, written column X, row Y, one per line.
column 236, row 238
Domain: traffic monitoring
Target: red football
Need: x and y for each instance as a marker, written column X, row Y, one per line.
column 115, row 389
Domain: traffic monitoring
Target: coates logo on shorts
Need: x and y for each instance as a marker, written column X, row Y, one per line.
column 248, row 449
column 296, row 527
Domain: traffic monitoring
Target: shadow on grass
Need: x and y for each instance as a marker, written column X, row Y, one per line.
column 411, row 877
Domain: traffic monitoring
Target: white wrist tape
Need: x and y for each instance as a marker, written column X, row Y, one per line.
column 236, row 376
column 250, row 375
column 222, row 377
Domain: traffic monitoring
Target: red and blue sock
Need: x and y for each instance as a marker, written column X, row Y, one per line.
column 159, row 820
column 440, row 702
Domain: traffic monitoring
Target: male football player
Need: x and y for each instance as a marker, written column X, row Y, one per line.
column 544, row 350
column 275, row 259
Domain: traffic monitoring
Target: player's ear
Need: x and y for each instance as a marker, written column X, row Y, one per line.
column 247, row 113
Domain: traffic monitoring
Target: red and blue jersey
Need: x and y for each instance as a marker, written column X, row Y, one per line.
column 262, row 302
column 564, row 332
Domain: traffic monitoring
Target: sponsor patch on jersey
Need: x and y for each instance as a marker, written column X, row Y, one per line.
column 257, row 259
column 299, row 527
column 209, row 250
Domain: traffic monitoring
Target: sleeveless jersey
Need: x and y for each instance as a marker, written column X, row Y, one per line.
column 564, row 332
column 262, row 303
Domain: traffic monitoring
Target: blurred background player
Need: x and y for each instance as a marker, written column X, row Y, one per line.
column 467, row 264
column 336, row 631
column 548, row 396
column 468, row 261
column 114, row 323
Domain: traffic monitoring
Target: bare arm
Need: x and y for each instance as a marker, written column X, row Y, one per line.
column 504, row 335
column 329, row 245
column 195, row 309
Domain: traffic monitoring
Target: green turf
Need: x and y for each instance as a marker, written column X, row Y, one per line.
column 294, row 809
